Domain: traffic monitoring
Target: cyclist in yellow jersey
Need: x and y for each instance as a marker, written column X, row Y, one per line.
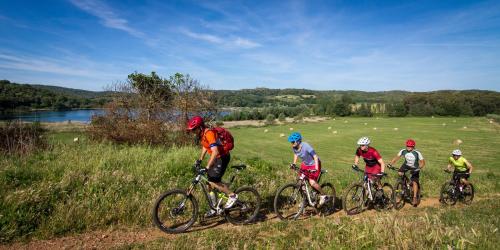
column 461, row 165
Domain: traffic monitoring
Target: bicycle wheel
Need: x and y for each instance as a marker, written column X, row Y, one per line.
column 399, row 196
column 448, row 195
column 468, row 194
column 384, row 197
column 175, row 211
column 246, row 208
column 329, row 206
column 289, row 202
column 353, row 199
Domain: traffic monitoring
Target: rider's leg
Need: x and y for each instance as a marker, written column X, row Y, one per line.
column 221, row 187
column 316, row 186
column 464, row 181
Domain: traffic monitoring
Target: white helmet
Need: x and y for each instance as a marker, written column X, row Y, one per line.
column 363, row 141
column 456, row 152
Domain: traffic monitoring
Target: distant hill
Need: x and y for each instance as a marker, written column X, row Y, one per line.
column 73, row 92
column 14, row 96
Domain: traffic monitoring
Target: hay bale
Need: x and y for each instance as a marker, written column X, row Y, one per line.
column 465, row 127
column 291, row 129
column 366, row 123
column 266, row 130
column 76, row 139
column 396, row 129
column 457, row 142
column 282, row 135
column 375, row 128
column 329, row 127
column 444, row 124
column 335, row 131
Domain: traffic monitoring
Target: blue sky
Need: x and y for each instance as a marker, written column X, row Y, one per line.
column 323, row 45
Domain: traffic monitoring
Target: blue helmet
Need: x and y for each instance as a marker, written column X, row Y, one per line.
column 295, row 136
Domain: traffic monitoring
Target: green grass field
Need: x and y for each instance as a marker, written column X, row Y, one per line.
column 80, row 187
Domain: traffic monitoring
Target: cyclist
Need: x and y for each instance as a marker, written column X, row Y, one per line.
column 461, row 165
column 374, row 163
column 218, row 161
column 414, row 162
column 310, row 163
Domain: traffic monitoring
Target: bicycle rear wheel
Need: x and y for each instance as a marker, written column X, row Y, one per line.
column 329, row 206
column 175, row 211
column 353, row 199
column 246, row 208
column 289, row 202
column 399, row 196
column 448, row 195
column 468, row 194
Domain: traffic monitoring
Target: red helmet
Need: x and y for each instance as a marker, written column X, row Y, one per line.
column 195, row 122
column 410, row 143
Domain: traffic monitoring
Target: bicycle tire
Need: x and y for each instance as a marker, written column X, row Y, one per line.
column 246, row 208
column 399, row 196
column 447, row 195
column 294, row 202
column 163, row 215
column 329, row 207
column 386, row 201
column 468, row 191
column 357, row 197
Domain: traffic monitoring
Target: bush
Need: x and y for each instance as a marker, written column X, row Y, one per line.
column 21, row 138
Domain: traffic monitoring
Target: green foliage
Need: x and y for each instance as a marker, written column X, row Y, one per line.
column 270, row 119
column 282, row 117
column 15, row 96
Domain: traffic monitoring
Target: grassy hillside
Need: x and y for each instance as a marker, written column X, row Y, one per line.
column 80, row 187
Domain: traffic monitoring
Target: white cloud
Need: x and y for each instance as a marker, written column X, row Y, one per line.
column 245, row 43
column 204, row 37
column 107, row 16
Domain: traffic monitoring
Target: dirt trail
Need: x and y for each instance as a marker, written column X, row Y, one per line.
column 105, row 239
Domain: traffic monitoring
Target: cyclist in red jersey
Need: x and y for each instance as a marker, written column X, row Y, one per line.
column 373, row 160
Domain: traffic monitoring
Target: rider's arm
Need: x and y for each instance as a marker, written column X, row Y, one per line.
column 356, row 160
column 469, row 166
column 382, row 164
column 316, row 162
column 421, row 163
column 295, row 157
column 215, row 152
column 449, row 167
column 395, row 159
column 203, row 153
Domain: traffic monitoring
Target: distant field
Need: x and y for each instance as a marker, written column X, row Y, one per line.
column 335, row 142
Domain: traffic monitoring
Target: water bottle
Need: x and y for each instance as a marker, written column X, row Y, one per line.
column 213, row 198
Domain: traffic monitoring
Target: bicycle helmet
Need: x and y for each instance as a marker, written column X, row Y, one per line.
column 364, row 141
column 410, row 143
column 195, row 122
column 295, row 137
column 456, row 152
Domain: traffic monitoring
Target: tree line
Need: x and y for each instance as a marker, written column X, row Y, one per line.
column 14, row 97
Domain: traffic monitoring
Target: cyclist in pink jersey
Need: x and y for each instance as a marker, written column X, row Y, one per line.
column 373, row 160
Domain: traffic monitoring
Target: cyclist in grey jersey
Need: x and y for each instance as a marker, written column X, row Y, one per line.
column 414, row 162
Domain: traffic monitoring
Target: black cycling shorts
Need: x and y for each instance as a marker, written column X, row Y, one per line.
column 461, row 174
column 217, row 170
column 415, row 175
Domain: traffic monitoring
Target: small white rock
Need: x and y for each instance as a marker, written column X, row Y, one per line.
column 291, row 129
column 76, row 139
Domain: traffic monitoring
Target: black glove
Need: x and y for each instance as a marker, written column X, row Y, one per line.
column 197, row 162
column 383, row 173
column 355, row 166
column 293, row 166
column 390, row 166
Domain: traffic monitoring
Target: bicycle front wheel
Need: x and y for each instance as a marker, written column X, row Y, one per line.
column 384, row 197
column 353, row 199
column 289, row 202
column 175, row 211
column 246, row 208
column 448, row 195
column 399, row 196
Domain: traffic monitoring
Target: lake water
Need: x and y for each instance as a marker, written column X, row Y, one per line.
column 52, row 116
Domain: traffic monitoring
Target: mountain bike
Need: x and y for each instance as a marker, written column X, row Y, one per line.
column 403, row 193
column 176, row 210
column 361, row 195
column 292, row 198
column 455, row 190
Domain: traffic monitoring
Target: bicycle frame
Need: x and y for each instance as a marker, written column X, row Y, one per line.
column 367, row 183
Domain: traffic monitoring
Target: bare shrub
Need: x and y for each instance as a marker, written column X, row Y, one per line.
column 21, row 138
column 148, row 109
